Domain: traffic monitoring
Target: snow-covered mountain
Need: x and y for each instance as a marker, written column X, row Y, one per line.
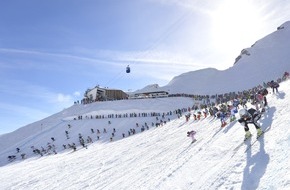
column 251, row 69
column 162, row 157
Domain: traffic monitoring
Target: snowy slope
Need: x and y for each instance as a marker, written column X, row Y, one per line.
column 162, row 158
column 267, row 59
column 39, row 133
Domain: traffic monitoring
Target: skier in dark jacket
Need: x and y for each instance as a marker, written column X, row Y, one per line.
column 250, row 116
column 274, row 85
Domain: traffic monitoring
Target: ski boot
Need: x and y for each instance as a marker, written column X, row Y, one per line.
column 247, row 135
column 259, row 132
column 233, row 118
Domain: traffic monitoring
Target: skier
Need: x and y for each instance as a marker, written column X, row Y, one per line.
column 236, row 103
column 260, row 99
column 23, row 156
column 191, row 134
column 247, row 117
column 187, row 116
column 274, row 85
column 285, row 76
column 198, row 115
column 194, row 116
column 244, row 102
column 233, row 111
column 205, row 112
column 222, row 116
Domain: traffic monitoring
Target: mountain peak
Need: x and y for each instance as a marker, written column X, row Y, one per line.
column 266, row 60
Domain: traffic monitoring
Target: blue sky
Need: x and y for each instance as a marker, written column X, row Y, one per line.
column 52, row 51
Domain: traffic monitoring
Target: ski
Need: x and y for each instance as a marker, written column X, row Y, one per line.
column 258, row 137
column 249, row 143
column 246, row 140
column 193, row 141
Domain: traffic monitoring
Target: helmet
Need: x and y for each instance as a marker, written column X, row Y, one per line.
column 243, row 112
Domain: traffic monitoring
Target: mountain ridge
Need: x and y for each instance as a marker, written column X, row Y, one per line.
column 264, row 53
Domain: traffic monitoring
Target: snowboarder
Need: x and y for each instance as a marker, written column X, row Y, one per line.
column 191, row 134
column 247, row 117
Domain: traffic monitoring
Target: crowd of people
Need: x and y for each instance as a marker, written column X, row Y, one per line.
column 256, row 96
column 225, row 106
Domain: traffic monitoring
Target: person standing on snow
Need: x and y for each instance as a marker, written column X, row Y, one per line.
column 261, row 100
column 250, row 116
column 233, row 110
column 191, row 134
column 274, row 85
column 222, row 116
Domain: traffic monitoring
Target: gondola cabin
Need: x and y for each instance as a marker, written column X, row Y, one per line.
column 128, row 70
